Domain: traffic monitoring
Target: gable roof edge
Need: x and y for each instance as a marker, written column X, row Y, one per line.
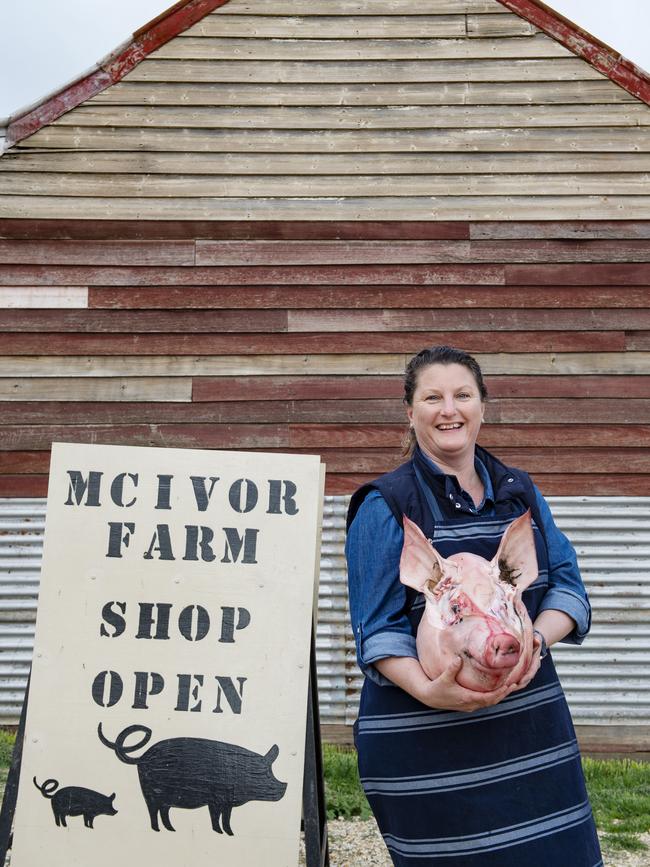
column 114, row 67
column 597, row 53
column 185, row 13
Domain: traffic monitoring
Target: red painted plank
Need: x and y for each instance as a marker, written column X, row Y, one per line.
column 97, row 252
column 23, row 486
column 600, row 56
column 172, row 22
column 578, row 275
column 493, row 436
column 595, row 485
column 539, row 460
column 505, row 417
column 15, row 463
column 260, row 436
column 240, row 230
column 115, row 321
column 69, row 275
column 367, row 297
column 30, row 413
column 313, row 344
column 254, row 388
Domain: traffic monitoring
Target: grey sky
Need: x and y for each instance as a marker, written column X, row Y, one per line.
column 45, row 44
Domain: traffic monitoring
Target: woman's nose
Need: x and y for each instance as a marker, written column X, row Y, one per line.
column 448, row 406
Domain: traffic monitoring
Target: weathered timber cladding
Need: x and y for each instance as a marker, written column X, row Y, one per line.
column 279, row 336
column 390, row 110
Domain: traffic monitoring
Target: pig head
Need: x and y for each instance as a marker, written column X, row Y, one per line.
column 473, row 606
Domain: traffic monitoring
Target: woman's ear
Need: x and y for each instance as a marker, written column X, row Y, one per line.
column 409, row 413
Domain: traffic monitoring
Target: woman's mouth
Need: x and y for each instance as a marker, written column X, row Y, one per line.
column 454, row 426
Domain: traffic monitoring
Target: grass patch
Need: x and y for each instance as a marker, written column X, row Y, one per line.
column 343, row 792
column 620, row 797
column 619, row 792
column 7, row 741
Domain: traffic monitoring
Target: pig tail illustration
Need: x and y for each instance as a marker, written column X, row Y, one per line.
column 122, row 751
column 48, row 788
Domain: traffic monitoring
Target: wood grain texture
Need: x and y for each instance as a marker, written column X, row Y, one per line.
column 191, row 140
column 452, row 208
column 328, row 26
column 33, row 275
column 120, row 321
column 463, row 320
column 598, row 92
column 564, row 484
column 353, row 364
column 317, row 50
column 333, row 71
column 191, row 192
column 97, row 253
column 133, row 230
column 372, row 297
column 401, row 165
column 301, row 388
column 96, row 389
column 255, row 344
column 324, row 26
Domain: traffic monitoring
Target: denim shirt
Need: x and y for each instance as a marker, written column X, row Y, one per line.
column 377, row 598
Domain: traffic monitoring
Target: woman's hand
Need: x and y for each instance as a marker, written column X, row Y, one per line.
column 443, row 693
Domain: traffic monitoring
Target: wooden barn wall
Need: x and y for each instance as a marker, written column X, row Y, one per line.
column 344, row 110
column 293, row 337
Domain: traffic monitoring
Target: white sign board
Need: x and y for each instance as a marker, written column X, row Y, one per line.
column 167, row 706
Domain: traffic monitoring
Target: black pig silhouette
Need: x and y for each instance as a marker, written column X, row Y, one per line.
column 196, row 772
column 75, row 801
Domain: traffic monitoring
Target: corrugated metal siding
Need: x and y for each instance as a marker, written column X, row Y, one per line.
column 605, row 680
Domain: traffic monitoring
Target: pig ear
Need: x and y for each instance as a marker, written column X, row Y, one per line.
column 272, row 754
column 112, row 797
column 420, row 562
column 516, row 558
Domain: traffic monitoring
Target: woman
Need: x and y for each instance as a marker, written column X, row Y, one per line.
column 458, row 778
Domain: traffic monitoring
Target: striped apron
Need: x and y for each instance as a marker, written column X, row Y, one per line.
column 498, row 787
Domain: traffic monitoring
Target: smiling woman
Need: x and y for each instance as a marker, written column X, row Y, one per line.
column 455, row 774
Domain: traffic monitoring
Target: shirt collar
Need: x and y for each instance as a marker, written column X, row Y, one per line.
column 451, row 482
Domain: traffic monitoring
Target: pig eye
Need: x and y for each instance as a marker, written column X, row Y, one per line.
column 507, row 574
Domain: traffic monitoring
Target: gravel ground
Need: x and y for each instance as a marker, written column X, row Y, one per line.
column 354, row 844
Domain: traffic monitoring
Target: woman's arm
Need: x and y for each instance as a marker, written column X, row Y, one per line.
column 443, row 693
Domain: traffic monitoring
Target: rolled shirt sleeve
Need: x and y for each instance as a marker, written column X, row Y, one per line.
column 566, row 592
column 378, row 601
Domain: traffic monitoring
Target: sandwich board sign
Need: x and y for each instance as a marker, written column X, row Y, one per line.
column 166, row 716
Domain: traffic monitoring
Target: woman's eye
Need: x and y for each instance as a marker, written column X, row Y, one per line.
column 464, row 396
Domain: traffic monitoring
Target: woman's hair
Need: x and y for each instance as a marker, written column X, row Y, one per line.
column 425, row 358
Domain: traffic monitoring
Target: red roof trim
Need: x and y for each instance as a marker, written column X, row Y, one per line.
column 187, row 12
column 172, row 22
column 603, row 58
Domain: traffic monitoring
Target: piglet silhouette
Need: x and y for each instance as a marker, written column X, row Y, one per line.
column 196, row 772
column 76, row 801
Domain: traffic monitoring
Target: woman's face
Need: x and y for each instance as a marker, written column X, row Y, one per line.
column 447, row 411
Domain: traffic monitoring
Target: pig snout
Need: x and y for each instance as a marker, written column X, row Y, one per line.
column 502, row 651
